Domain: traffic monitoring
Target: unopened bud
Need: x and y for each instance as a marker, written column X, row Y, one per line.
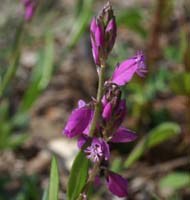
column 103, row 34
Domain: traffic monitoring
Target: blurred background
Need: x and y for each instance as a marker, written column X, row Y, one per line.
column 46, row 66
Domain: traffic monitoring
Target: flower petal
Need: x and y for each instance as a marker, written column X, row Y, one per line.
column 117, row 184
column 82, row 140
column 123, row 135
column 107, row 111
column 125, row 70
column 78, row 121
column 111, row 31
column 98, row 149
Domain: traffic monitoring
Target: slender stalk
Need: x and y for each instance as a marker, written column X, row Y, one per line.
column 187, row 70
column 187, row 126
column 91, row 178
column 96, row 166
column 98, row 100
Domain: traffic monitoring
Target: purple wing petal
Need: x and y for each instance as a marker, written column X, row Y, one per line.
column 107, row 111
column 125, row 70
column 117, row 184
column 123, row 135
column 78, row 121
column 82, row 140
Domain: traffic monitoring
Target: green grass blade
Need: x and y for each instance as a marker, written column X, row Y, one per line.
column 81, row 23
column 54, row 181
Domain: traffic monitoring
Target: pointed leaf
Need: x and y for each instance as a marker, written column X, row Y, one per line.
column 54, row 181
column 78, row 176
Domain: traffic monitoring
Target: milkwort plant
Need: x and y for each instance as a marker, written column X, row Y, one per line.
column 98, row 124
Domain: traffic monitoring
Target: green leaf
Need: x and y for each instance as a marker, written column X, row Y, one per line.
column 156, row 136
column 180, row 83
column 41, row 74
column 16, row 140
column 54, row 181
column 14, row 60
column 132, row 18
column 116, row 165
column 78, row 176
column 175, row 180
column 81, row 22
column 48, row 61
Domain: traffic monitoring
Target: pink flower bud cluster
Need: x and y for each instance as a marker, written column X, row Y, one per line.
column 103, row 34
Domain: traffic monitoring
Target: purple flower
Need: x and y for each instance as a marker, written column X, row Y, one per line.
column 114, row 114
column 125, row 70
column 114, row 109
column 97, row 33
column 97, row 150
column 78, row 120
column 120, row 113
column 110, row 32
column 123, row 135
column 117, row 184
column 107, row 111
column 30, row 7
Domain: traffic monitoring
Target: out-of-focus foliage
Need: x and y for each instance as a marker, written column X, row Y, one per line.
column 83, row 15
column 180, row 83
column 135, row 23
column 28, row 190
column 175, row 180
column 156, row 136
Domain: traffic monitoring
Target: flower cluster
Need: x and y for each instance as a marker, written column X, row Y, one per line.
column 30, row 7
column 112, row 109
column 103, row 34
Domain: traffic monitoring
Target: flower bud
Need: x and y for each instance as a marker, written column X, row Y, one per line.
column 111, row 103
column 117, row 184
column 103, row 34
column 78, row 120
column 110, row 33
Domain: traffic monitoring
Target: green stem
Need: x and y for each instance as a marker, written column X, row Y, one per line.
column 91, row 178
column 98, row 100
column 96, row 166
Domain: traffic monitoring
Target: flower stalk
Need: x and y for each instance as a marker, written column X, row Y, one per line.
column 101, row 78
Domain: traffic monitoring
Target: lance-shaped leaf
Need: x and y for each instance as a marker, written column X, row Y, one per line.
column 78, row 176
column 54, row 181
